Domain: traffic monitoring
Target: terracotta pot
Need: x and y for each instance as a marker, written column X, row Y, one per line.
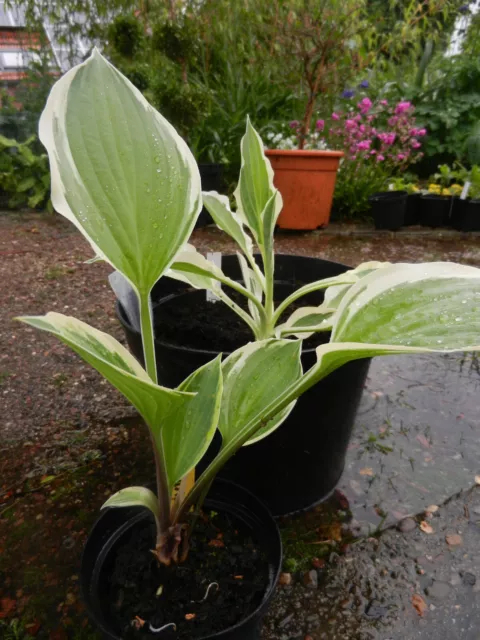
column 306, row 180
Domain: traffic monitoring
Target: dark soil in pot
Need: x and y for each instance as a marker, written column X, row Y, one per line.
column 222, row 553
column 235, row 548
column 306, row 454
column 188, row 320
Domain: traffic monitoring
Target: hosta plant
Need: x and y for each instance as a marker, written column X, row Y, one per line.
column 128, row 182
column 251, row 226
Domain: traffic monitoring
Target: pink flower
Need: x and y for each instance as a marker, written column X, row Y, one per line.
column 364, row 145
column 384, row 103
column 380, row 157
column 350, row 124
column 392, row 121
column 365, row 105
column 362, row 128
column 294, row 124
column 320, row 124
column 402, row 107
column 373, row 152
column 415, row 144
column 401, row 156
column 387, row 138
column 335, row 116
column 421, row 132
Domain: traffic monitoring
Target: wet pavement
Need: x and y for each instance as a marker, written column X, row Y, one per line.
column 378, row 561
column 402, row 565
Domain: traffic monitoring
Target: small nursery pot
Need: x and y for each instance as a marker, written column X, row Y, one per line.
column 306, row 181
column 435, row 210
column 466, row 215
column 114, row 527
column 388, row 209
column 211, row 176
column 412, row 209
column 306, row 454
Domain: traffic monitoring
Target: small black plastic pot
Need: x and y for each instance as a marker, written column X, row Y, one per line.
column 435, row 211
column 412, row 209
column 466, row 215
column 211, row 176
column 299, row 464
column 388, row 209
column 113, row 528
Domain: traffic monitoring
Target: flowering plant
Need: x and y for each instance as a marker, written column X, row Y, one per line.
column 378, row 140
column 438, row 190
column 289, row 138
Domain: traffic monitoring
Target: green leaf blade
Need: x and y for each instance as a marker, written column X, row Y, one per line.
column 115, row 363
column 253, row 376
column 188, row 431
column 432, row 306
column 218, row 207
column 134, row 497
column 255, row 185
column 120, row 172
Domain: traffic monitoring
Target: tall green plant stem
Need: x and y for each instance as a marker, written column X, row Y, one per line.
column 148, row 341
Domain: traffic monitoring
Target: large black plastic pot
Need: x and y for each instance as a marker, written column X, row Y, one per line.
column 435, row 211
column 388, row 209
column 114, row 526
column 211, row 176
column 412, row 209
column 300, row 463
column 466, row 215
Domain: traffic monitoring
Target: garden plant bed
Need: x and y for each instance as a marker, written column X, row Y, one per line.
column 79, row 445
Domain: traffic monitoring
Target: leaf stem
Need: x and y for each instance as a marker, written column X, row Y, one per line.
column 308, row 288
column 148, row 339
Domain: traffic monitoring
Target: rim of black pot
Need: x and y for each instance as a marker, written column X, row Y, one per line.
column 388, row 195
column 175, row 347
column 435, row 196
column 269, row 588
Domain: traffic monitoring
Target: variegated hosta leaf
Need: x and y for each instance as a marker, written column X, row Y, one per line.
column 252, row 284
column 433, row 305
column 115, row 363
column 254, row 376
column 194, row 269
column 135, row 497
column 218, row 207
column 255, row 185
column 120, row 172
column 334, row 295
column 269, row 219
column 188, row 430
column 306, row 321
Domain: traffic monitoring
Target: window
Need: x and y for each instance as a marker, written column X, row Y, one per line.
column 14, row 60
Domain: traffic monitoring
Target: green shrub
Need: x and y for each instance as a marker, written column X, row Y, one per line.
column 24, row 174
column 125, row 35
